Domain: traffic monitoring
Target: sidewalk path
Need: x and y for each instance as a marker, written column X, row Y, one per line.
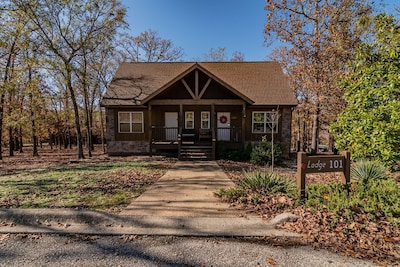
column 186, row 190
column 181, row 203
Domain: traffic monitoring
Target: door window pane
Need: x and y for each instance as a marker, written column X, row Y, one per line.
column 205, row 119
column 189, row 120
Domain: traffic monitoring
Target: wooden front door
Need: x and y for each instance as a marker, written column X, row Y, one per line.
column 171, row 126
column 223, row 126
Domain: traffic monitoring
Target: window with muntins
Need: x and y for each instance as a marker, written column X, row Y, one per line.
column 264, row 121
column 130, row 122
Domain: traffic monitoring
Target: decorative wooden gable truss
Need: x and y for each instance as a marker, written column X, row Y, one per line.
column 193, row 107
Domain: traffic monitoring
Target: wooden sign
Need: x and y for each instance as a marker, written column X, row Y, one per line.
column 320, row 164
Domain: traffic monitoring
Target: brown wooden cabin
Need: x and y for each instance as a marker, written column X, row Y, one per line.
column 192, row 107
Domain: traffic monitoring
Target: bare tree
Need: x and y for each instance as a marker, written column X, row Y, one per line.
column 149, row 47
column 67, row 28
column 219, row 55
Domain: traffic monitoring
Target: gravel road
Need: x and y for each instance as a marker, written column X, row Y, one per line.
column 55, row 250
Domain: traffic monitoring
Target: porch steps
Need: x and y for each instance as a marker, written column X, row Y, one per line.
column 196, row 153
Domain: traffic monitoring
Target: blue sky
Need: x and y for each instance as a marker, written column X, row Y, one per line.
column 199, row 25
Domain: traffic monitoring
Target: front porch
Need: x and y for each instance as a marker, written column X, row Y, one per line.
column 199, row 143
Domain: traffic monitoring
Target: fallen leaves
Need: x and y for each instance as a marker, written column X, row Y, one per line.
column 360, row 237
column 4, row 237
column 271, row 261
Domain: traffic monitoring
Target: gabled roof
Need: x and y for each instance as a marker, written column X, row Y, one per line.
column 261, row 83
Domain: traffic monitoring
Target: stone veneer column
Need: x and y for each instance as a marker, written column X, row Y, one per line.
column 110, row 130
column 286, row 129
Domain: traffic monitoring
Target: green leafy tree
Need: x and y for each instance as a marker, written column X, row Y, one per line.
column 370, row 124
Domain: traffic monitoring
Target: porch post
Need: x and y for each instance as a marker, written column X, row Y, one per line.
column 150, row 131
column 243, row 124
column 180, row 123
column 213, row 129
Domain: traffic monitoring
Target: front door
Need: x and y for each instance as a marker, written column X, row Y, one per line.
column 171, row 126
column 223, row 126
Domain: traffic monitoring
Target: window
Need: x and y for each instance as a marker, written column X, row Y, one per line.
column 189, row 120
column 130, row 122
column 263, row 121
column 205, row 119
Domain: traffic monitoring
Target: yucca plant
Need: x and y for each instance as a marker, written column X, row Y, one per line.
column 267, row 182
column 366, row 170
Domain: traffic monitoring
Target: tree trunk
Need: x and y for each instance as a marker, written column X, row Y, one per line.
column 103, row 145
column 315, row 133
column 2, row 100
column 89, row 137
column 1, row 125
column 77, row 121
column 11, row 141
column 21, row 143
column 35, row 152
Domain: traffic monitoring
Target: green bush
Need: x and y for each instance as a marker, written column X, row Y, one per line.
column 267, row 183
column 377, row 198
column 234, row 154
column 262, row 153
column 366, row 170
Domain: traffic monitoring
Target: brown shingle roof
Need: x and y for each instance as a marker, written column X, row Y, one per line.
column 262, row 82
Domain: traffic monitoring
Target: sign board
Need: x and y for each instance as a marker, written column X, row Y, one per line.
column 320, row 164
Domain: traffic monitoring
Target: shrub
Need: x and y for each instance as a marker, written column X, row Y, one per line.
column 234, row 154
column 267, row 183
column 262, row 153
column 366, row 170
column 378, row 198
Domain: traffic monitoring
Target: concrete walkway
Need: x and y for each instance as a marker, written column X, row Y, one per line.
column 181, row 203
column 186, row 190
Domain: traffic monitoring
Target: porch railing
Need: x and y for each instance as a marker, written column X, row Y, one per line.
column 164, row 134
column 231, row 134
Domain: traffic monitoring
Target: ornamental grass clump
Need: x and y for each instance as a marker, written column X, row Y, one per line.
column 367, row 170
column 267, row 183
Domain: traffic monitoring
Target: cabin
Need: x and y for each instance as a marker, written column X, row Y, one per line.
column 193, row 108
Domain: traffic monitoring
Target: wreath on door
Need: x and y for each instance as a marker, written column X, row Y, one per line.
column 223, row 119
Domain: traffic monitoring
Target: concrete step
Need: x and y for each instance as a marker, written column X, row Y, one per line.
column 196, row 153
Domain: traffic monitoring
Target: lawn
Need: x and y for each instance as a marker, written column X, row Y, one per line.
column 99, row 183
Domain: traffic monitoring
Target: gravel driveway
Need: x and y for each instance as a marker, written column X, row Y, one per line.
column 54, row 250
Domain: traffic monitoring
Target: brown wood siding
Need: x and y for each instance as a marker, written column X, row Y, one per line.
column 158, row 117
column 157, row 114
column 176, row 91
column 217, row 91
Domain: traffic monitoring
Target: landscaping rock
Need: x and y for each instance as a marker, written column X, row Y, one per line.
column 284, row 217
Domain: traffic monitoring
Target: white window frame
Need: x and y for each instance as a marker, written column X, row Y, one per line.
column 187, row 119
column 131, row 121
column 267, row 122
column 205, row 120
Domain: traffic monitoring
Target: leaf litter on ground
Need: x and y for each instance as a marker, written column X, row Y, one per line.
column 360, row 237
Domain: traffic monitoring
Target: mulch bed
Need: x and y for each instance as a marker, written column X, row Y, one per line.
column 377, row 241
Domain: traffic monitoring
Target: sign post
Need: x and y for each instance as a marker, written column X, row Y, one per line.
column 321, row 163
